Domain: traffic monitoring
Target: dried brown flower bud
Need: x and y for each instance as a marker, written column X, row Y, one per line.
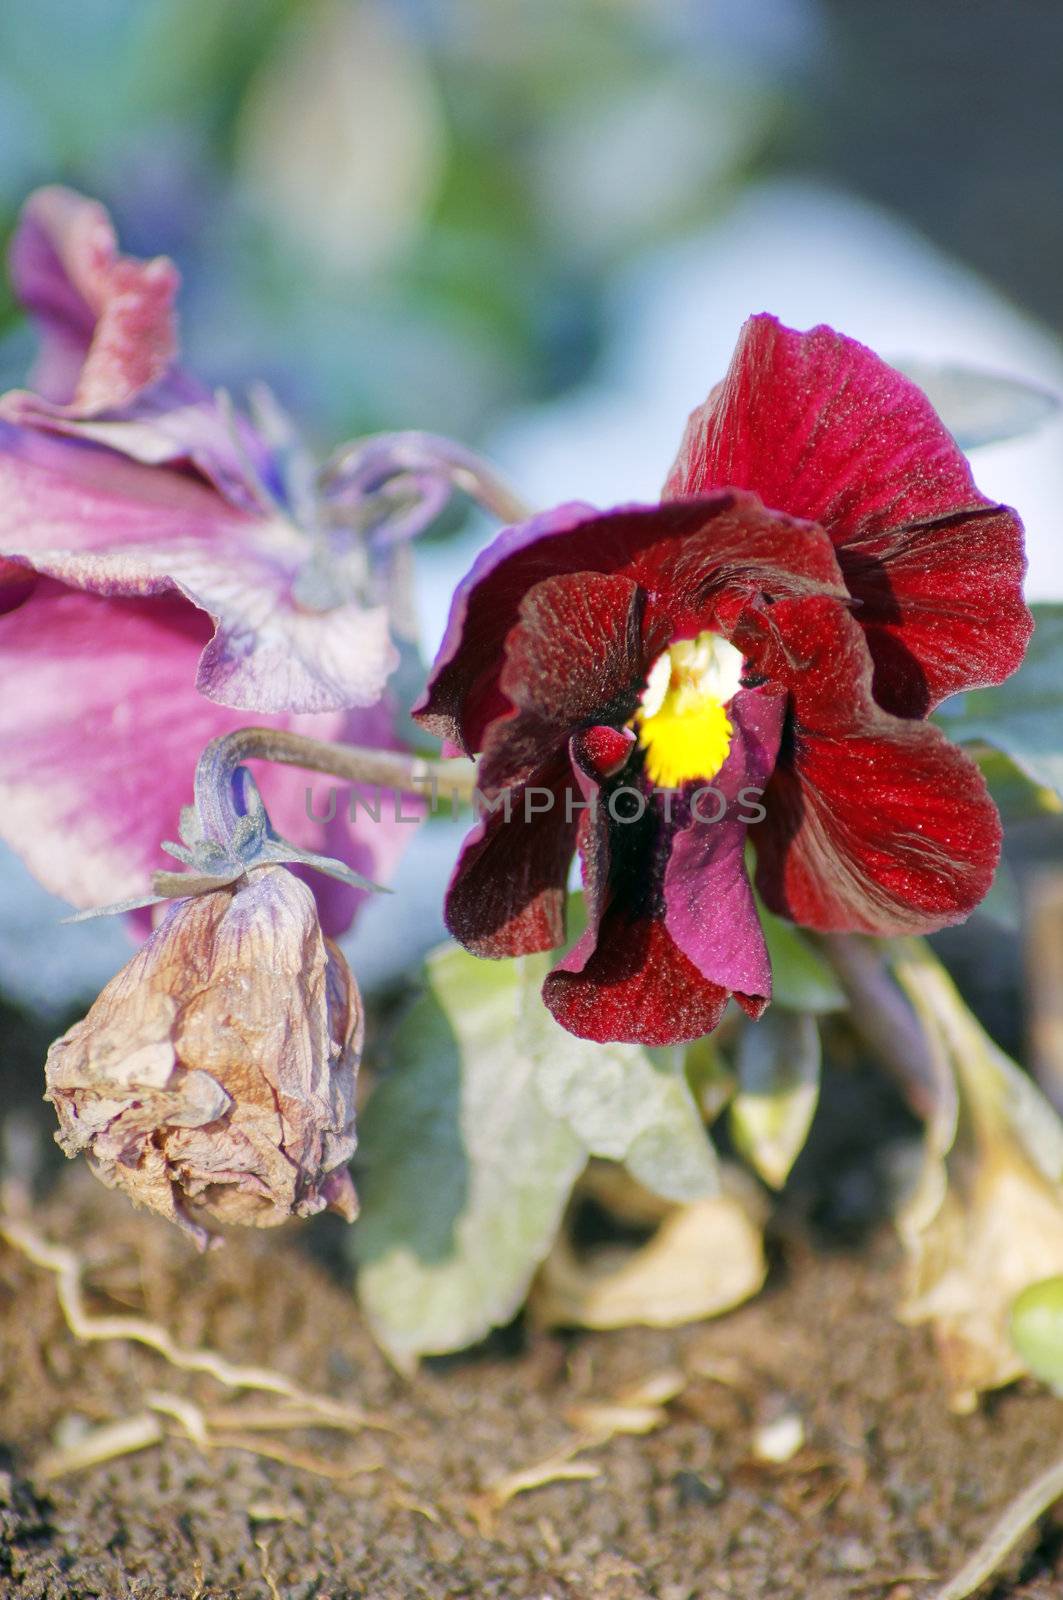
column 217, row 1070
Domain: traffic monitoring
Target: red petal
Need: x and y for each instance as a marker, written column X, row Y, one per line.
column 637, row 987
column 875, row 824
column 575, row 655
column 821, row 428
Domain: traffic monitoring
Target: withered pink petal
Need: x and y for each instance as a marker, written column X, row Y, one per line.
column 106, row 320
column 98, row 749
column 106, row 370
column 269, row 653
column 175, row 422
column 97, row 521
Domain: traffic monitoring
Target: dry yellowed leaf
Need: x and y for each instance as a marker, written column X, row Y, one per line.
column 704, row 1259
column 986, row 1217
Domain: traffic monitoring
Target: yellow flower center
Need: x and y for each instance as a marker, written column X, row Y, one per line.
column 682, row 722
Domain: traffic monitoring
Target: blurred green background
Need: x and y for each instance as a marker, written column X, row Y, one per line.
column 404, row 212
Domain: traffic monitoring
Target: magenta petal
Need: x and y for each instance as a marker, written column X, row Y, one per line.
column 94, row 520
column 710, row 910
column 98, row 747
column 105, row 370
column 63, row 502
column 106, row 320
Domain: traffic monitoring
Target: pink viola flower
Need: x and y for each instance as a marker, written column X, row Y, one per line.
column 168, row 571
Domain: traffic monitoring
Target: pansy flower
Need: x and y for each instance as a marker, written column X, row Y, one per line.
column 169, row 570
column 743, row 669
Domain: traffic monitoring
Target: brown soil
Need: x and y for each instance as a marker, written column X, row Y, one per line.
column 889, row 1491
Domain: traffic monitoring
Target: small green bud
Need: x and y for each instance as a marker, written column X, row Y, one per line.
column 1037, row 1329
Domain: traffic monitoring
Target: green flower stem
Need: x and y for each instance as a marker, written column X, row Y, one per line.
column 1044, row 979
column 884, row 1020
column 382, row 769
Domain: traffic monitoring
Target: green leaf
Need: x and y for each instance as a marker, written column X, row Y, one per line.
column 465, row 1173
column 979, row 407
column 623, row 1102
column 471, row 1143
column 800, row 979
column 711, row 1080
column 1015, row 795
column 1024, row 716
column 778, row 1088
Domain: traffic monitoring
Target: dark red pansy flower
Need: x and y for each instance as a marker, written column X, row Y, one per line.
column 751, row 661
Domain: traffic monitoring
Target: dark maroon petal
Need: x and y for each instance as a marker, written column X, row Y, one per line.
column 697, row 562
column 941, row 604
column 507, row 893
column 821, row 428
column 875, row 824
column 575, row 657
column 484, row 608
column 636, row 987
column 711, row 914
column 576, row 649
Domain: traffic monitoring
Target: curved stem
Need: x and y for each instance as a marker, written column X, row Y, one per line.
column 384, row 769
column 884, row 1020
column 365, row 466
column 1015, row 1522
